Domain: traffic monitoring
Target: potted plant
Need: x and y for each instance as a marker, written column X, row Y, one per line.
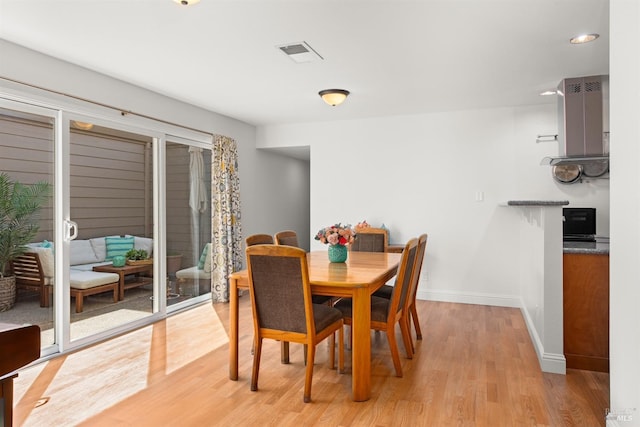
column 137, row 257
column 174, row 263
column 19, row 207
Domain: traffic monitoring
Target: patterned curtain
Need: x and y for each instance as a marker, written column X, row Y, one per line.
column 226, row 241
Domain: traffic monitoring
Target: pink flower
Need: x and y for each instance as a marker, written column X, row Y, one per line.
column 336, row 234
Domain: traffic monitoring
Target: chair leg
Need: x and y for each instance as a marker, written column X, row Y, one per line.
column 284, row 352
column 332, row 350
column 393, row 346
column 311, row 354
column 406, row 336
column 304, row 351
column 256, row 363
column 341, row 350
column 416, row 322
column 407, row 320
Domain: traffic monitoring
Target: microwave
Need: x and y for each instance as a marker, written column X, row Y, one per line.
column 579, row 224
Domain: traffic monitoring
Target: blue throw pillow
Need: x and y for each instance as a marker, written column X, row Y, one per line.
column 203, row 257
column 118, row 246
column 47, row 244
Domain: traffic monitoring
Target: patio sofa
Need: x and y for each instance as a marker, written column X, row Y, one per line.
column 198, row 277
column 35, row 269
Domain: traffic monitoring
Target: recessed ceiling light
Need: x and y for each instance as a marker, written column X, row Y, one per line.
column 584, row 38
column 186, row 2
column 549, row 93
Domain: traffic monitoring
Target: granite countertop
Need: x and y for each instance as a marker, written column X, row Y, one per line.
column 594, row 248
column 537, row 202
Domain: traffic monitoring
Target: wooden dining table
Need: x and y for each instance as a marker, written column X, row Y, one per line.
column 357, row 278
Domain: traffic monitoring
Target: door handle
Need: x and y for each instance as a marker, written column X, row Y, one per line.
column 70, row 226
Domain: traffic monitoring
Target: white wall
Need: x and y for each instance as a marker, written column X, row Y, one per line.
column 624, row 317
column 421, row 174
column 274, row 189
column 285, row 204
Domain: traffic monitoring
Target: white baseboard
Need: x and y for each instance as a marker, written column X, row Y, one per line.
column 549, row 362
column 470, row 298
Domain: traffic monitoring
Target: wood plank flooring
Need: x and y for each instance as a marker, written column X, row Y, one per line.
column 476, row 366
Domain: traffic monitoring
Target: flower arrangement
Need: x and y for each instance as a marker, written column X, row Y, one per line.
column 336, row 234
column 363, row 224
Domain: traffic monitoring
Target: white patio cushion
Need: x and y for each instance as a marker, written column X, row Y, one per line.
column 193, row 273
column 82, row 252
column 46, row 259
column 90, row 279
column 144, row 243
column 89, row 267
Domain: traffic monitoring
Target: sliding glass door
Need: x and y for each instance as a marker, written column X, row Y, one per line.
column 122, row 238
column 111, row 206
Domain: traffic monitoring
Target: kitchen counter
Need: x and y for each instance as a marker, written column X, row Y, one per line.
column 593, row 248
column 537, row 203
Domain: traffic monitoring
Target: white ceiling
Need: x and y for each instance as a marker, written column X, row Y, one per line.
column 395, row 56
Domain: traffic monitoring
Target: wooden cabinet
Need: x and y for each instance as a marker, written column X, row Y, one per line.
column 586, row 311
column 20, row 346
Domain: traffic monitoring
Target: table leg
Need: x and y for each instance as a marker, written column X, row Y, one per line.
column 361, row 348
column 233, row 329
column 121, row 286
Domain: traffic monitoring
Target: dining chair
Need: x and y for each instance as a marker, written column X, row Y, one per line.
column 282, row 307
column 259, row 239
column 287, row 237
column 411, row 313
column 386, row 313
column 370, row 239
column 290, row 238
column 267, row 239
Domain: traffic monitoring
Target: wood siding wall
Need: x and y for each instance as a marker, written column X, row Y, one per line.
column 26, row 155
column 111, row 183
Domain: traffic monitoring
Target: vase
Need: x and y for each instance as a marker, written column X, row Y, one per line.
column 337, row 253
column 119, row 261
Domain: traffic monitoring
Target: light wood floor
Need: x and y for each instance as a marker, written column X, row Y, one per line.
column 476, row 366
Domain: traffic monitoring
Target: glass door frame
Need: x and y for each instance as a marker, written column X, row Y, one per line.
column 63, row 111
column 63, row 292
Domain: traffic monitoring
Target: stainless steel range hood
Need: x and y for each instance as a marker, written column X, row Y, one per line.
column 583, row 121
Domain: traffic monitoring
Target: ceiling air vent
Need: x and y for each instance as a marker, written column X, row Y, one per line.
column 300, row 52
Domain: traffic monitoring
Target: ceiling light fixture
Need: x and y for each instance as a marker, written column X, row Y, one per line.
column 186, row 2
column 549, row 93
column 81, row 125
column 584, row 38
column 333, row 97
